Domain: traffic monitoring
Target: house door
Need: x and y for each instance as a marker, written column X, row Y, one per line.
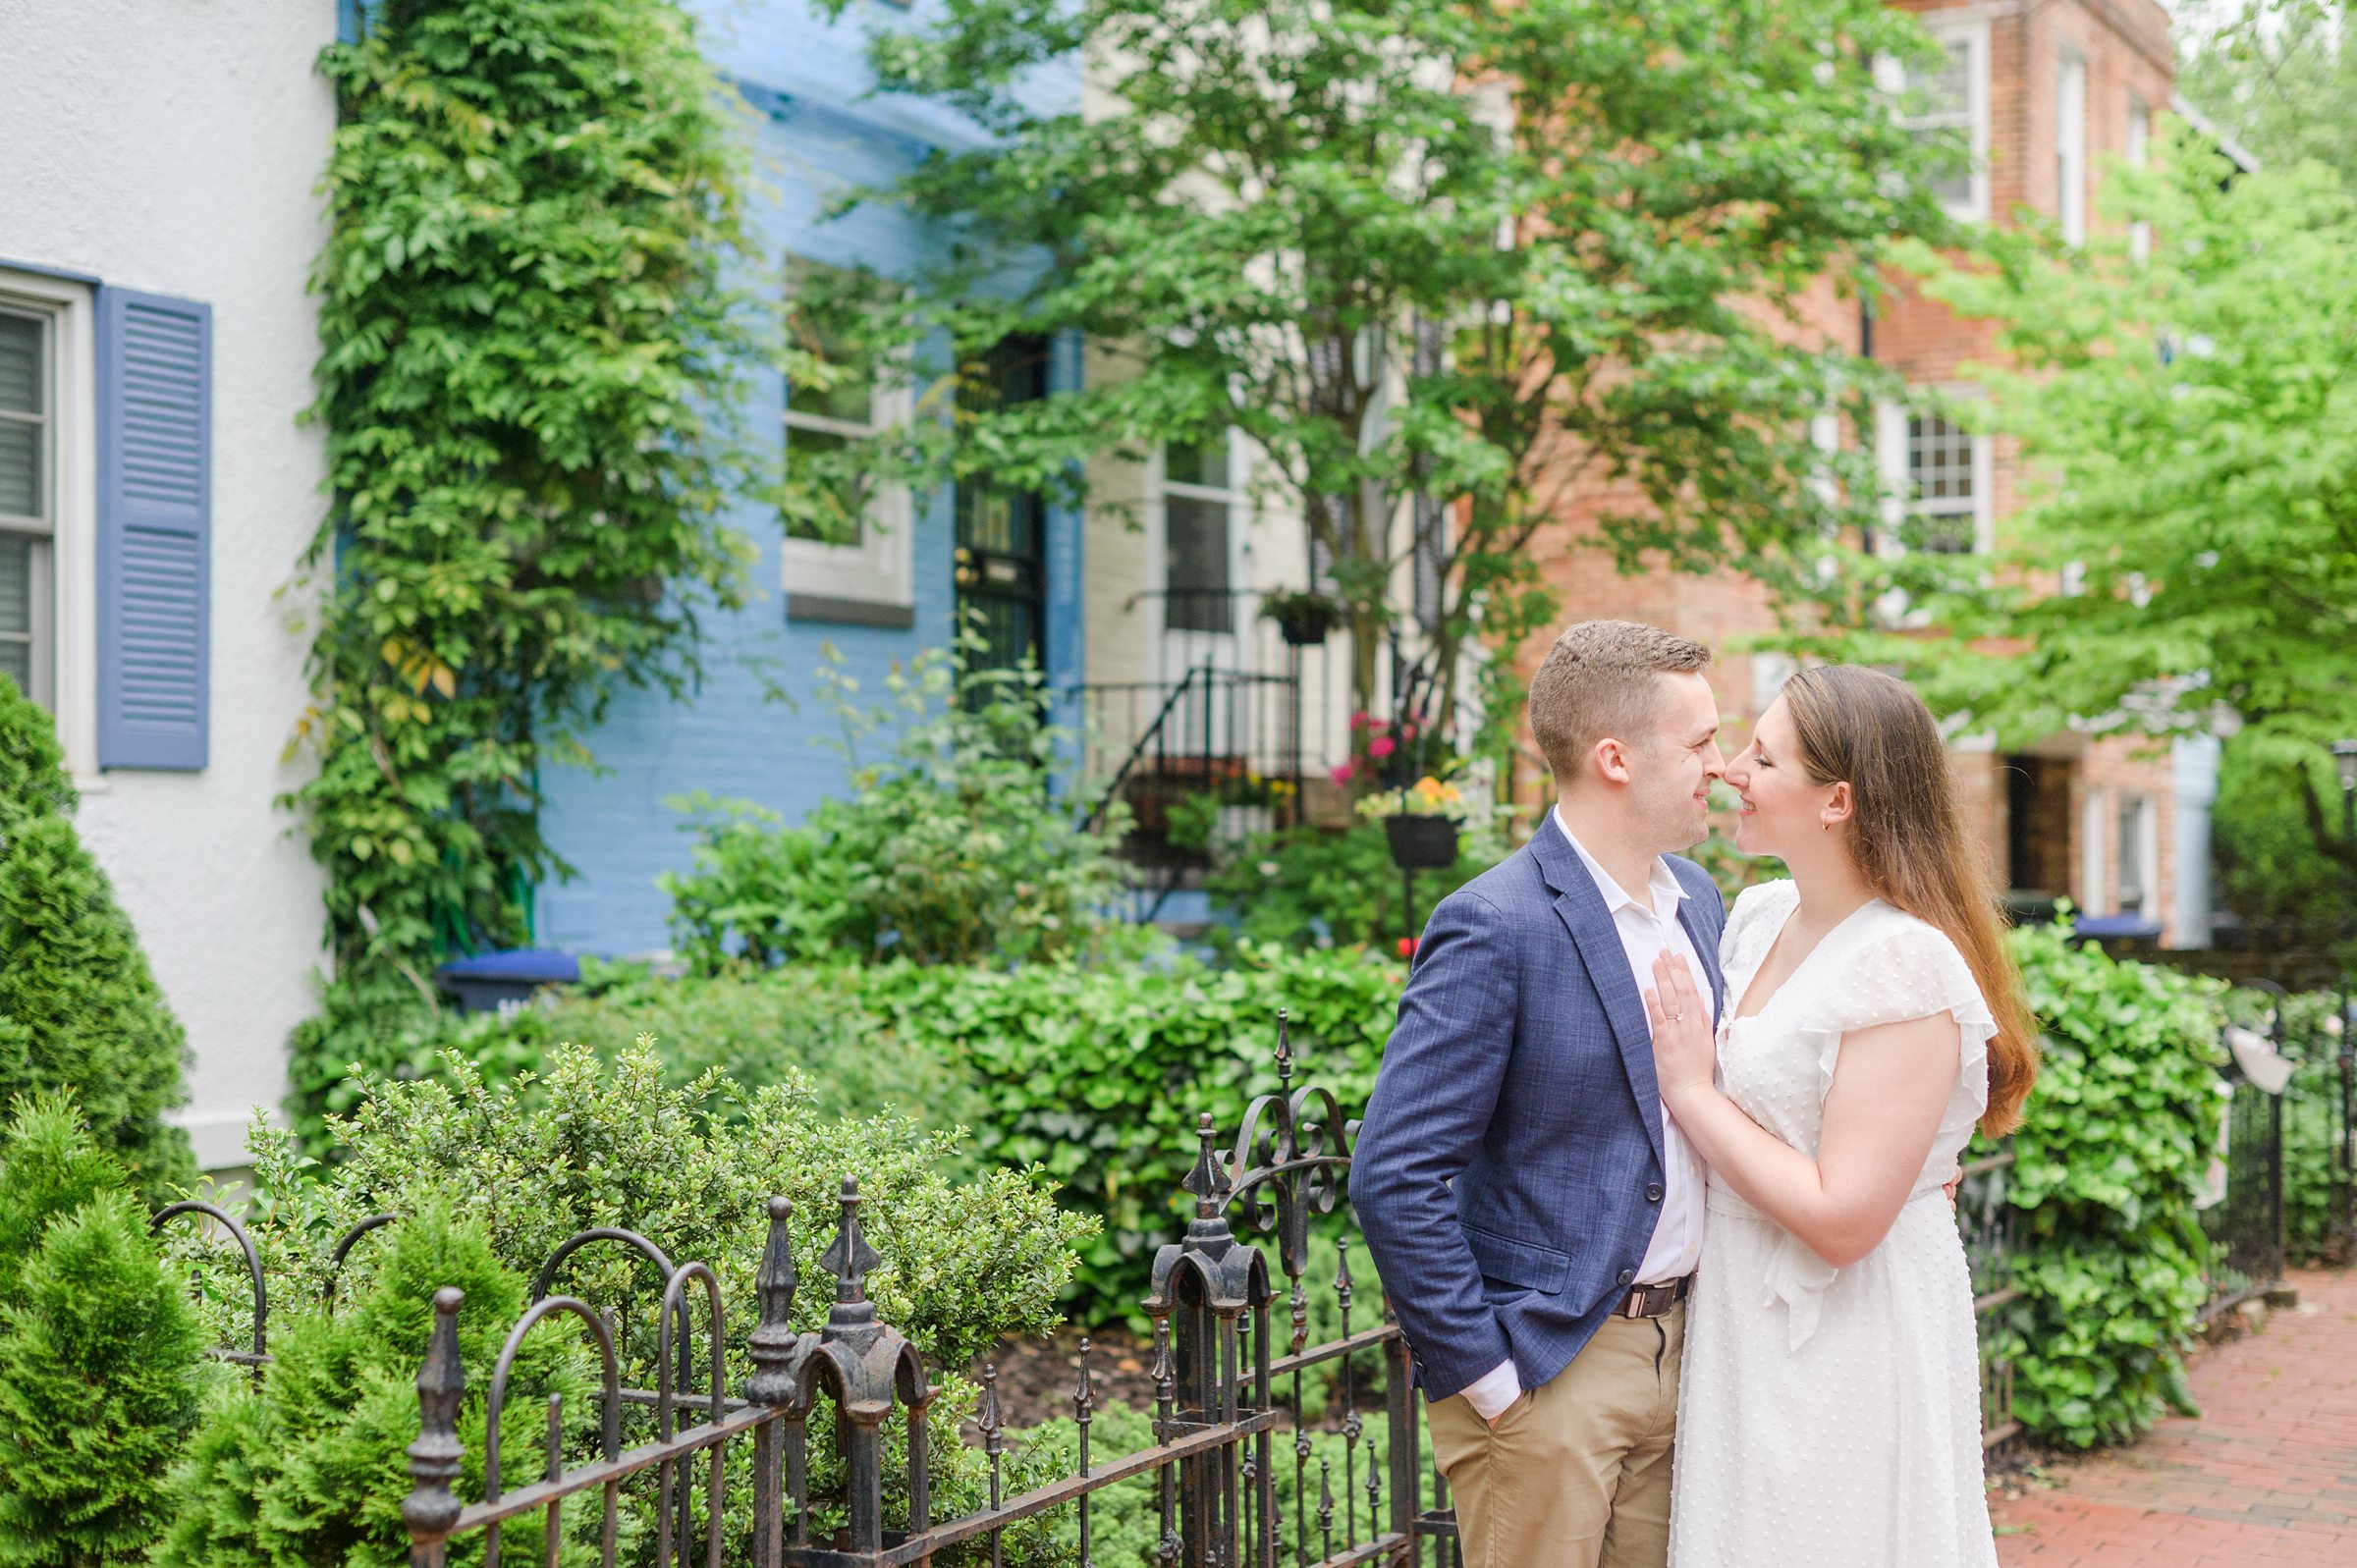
column 1001, row 571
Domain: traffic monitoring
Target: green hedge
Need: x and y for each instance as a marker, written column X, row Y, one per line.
column 1101, row 1074
column 2107, row 1162
column 1098, row 1073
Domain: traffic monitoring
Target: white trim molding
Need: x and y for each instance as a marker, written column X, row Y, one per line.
column 71, row 589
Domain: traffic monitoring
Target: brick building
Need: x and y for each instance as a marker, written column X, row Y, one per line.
column 2044, row 90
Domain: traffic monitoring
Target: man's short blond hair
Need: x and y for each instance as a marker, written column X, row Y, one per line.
column 1597, row 681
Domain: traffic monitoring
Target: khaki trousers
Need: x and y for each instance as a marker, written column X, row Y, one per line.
column 1576, row 1474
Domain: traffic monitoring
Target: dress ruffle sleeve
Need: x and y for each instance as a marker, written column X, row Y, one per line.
column 1901, row 969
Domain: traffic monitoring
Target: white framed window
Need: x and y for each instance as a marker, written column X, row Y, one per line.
column 2070, row 145
column 29, row 418
column 862, row 554
column 1936, row 476
column 1205, row 533
column 1950, row 100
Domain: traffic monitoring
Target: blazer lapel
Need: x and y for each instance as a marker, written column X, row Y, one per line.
column 1580, row 906
column 1707, row 949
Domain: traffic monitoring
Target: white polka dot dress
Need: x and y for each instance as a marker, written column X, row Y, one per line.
column 1832, row 1418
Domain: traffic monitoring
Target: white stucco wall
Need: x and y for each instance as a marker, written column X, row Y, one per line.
column 175, row 147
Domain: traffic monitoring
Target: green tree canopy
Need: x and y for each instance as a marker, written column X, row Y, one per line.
column 2187, row 559
column 2279, row 76
column 1503, row 255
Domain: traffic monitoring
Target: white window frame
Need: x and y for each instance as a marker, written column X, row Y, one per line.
column 1890, row 453
column 2095, row 834
column 2145, row 854
column 1235, row 496
column 880, row 569
column 66, row 580
column 1973, row 33
column 2070, row 143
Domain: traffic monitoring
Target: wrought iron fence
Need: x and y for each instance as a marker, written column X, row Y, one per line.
column 1992, row 1237
column 1233, row 1381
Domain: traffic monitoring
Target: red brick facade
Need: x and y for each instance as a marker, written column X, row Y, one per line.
column 2033, row 812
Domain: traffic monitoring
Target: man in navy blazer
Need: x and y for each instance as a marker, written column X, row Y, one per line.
column 1535, row 1218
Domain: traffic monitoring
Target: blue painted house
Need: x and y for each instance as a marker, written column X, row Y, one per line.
column 922, row 559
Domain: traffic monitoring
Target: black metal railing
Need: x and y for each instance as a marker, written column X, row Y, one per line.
column 1992, row 1236
column 1230, row 709
column 1230, row 1380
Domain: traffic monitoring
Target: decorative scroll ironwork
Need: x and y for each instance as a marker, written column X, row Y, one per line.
column 259, row 1356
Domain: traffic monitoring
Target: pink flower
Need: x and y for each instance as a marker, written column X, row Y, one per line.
column 1382, row 746
column 1358, row 721
column 1340, row 773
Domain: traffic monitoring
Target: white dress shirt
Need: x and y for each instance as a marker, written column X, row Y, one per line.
column 1646, row 927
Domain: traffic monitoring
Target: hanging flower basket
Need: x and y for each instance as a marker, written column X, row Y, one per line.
column 1421, row 842
column 1302, row 619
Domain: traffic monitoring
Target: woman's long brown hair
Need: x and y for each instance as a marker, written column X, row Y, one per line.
column 1907, row 840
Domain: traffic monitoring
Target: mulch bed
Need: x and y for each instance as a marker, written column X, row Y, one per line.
column 1037, row 1376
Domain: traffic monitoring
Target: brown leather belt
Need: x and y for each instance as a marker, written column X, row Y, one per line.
column 1654, row 1301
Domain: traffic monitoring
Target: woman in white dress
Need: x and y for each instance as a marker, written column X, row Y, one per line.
column 1829, row 1412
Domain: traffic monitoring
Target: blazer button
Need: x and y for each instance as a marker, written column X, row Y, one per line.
column 1653, row 1192
column 1629, row 1277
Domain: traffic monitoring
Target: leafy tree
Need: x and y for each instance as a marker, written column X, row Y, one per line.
column 2190, row 546
column 2279, row 76
column 2268, row 870
column 79, row 1009
column 1508, row 256
column 98, row 1352
column 529, row 361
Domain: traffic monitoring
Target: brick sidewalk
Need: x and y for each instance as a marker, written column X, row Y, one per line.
column 2267, row 1478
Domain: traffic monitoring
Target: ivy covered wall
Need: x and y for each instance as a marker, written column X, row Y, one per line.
column 811, row 136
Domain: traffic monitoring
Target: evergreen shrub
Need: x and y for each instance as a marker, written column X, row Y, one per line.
column 534, row 1161
column 99, row 1376
column 79, row 1009
column 307, row 1468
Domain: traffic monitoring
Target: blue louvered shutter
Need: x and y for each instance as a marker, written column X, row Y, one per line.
column 154, row 528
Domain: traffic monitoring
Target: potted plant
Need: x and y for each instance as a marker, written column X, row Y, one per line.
column 1420, row 822
column 1303, row 618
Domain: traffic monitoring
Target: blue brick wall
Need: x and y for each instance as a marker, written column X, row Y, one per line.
column 815, row 132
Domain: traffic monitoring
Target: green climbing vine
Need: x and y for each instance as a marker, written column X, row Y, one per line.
column 530, row 348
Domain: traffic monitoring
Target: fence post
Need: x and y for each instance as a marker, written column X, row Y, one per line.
column 775, row 1350
column 432, row 1509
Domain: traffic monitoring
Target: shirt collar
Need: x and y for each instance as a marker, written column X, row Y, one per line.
column 1664, row 891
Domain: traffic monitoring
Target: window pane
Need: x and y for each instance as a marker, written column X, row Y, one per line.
column 1948, row 91
column 842, row 499
column 816, row 328
column 1196, row 566
column 1205, row 465
column 20, row 467
column 21, row 375
column 16, row 585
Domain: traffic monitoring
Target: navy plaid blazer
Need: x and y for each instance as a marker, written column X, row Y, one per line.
column 1508, row 1174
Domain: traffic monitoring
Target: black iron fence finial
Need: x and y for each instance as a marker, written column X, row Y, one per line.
column 432, row 1509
